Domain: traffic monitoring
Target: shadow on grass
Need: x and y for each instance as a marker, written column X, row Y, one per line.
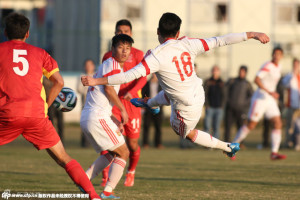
column 219, row 181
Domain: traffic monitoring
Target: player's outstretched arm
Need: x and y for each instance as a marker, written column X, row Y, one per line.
column 117, row 79
column 232, row 38
column 58, row 83
column 90, row 81
column 262, row 37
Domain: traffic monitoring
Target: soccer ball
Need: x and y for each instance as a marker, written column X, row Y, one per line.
column 66, row 100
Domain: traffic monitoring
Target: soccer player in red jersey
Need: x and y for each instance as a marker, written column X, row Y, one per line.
column 127, row 92
column 23, row 104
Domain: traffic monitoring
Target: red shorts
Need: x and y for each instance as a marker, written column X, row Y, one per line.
column 38, row 131
column 133, row 126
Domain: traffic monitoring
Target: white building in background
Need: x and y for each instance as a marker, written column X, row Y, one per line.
column 280, row 19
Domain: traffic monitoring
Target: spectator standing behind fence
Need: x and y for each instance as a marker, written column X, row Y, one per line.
column 239, row 92
column 214, row 88
column 89, row 69
column 55, row 115
column 292, row 83
column 151, row 89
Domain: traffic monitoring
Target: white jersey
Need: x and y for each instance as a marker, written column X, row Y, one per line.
column 269, row 74
column 97, row 104
column 173, row 63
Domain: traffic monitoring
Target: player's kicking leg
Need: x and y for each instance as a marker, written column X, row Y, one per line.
column 153, row 103
column 181, row 124
column 117, row 159
column 204, row 139
column 73, row 168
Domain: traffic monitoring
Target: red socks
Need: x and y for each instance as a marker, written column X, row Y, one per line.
column 134, row 158
column 77, row 174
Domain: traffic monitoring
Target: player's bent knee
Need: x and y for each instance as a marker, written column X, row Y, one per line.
column 122, row 152
column 251, row 125
column 191, row 135
column 277, row 123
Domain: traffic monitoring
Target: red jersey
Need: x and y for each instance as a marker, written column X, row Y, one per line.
column 22, row 67
column 134, row 86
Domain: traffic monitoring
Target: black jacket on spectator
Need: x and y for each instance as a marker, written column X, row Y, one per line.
column 214, row 93
column 239, row 93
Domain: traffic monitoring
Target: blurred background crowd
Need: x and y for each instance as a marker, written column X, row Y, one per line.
column 78, row 33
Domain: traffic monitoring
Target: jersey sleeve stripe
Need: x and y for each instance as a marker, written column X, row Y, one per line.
column 49, row 74
column 206, row 48
column 146, row 66
column 113, row 72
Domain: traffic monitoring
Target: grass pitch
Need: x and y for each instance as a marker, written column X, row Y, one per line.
column 171, row 173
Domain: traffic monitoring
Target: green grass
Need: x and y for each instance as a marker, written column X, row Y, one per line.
column 171, row 173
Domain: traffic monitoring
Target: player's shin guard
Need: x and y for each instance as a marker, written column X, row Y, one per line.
column 102, row 162
column 276, row 139
column 207, row 140
column 79, row 177
column 158, row 100
column 115, row 173
column 134, row 158
column 241, row 134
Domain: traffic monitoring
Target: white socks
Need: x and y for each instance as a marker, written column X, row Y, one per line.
column 115, row 173
column 102, row 162
column 241, row 134
column 205, row 139
column 276, row 140
column 158, row 100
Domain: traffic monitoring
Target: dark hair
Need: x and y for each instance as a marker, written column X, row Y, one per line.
column 169, row 25
column 123, row 22
column 123, row 38
column 244, row 67
column 277, row 49
column 16, row 26
column 296, row 60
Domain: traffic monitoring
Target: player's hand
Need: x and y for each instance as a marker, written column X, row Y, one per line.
column 275, row 95
column 88, row 81
column 262, row 37
column 128, row 96
column 124, row 117
column 121, row 127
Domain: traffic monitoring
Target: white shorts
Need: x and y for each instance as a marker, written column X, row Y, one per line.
column 263, row 104
column 102, row 133
column 185, row 118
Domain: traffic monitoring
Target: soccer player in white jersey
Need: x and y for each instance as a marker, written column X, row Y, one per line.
column 263, row 102
column 98, row 123
column 173, row 63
